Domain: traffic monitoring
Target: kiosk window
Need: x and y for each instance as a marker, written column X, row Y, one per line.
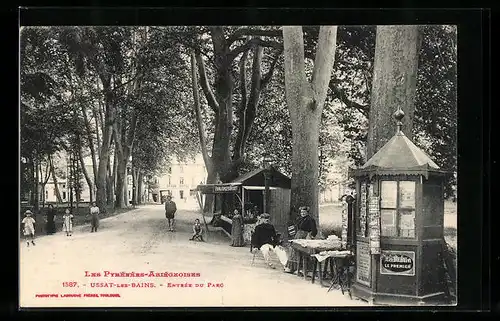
column 397, row 208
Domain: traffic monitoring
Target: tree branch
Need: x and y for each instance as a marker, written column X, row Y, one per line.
column 323, row 63
column 295, row 74
column 243, row 81
column 199, row 120
column 342, row 96
column 267, row 77
column 232, row 54
column 205, row 86
column 242, row 32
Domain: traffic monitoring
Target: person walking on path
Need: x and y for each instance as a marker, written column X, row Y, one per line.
column 237, row 230
column 94, row 213
column 68, row 222
column 29, row 227
column 170, row 209
column 50, row 225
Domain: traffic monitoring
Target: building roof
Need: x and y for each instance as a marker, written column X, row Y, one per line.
column 257, row 178
column 399, row 156
column 400, row 152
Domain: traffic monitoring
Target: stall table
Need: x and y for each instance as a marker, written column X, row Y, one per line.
column 340, row 265
column 307, row 248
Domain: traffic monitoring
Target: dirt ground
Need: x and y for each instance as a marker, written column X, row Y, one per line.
column 63, row 271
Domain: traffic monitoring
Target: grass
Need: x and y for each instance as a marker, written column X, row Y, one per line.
column 81, row 216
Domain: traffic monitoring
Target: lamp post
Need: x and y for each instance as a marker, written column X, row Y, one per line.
column 267, row 177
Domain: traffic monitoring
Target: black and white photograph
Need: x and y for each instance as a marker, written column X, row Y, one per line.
column 238, row 166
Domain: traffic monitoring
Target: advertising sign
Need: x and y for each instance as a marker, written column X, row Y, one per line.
column 363, row 261
column 397, row 263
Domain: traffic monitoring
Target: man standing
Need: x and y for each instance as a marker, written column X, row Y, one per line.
column 170, row 209
column 266, row 240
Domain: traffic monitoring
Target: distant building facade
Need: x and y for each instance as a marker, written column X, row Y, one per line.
column 180, row 178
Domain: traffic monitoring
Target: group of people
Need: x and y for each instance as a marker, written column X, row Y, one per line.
column 267, row 240
column 29, row 222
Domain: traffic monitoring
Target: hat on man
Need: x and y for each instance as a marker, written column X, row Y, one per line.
column 28, row 212
column 265, row 216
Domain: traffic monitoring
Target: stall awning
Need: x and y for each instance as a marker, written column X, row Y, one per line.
column 219, row 188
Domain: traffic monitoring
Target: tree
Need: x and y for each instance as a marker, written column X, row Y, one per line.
column 305, row 100
column 44, row 116
column 231, row 129
column 394, row 83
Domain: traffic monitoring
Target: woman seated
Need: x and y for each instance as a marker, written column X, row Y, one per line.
column 305, row 227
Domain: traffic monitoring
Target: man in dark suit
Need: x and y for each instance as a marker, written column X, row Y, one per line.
column 266, row 240
column 170, row 209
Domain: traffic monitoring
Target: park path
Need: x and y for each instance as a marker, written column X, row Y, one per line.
column 138, row 241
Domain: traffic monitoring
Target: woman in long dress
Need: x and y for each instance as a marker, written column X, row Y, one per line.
column 68, row 223
column 306, row 228
column 50, row 226
column 237, row 230
column 94, row 213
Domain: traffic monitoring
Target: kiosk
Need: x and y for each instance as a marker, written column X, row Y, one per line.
column 399, row 215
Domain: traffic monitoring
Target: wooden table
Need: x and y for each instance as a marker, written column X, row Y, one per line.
column 305, row 253
column 340, row 269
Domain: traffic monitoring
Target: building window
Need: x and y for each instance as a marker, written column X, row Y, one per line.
column 64, row 195
column 397, row 208
column 181, row 181
column 181, row 194
column 64, row 186
column 181, row 169
column 170, row 170
column 46, row 193
column 169, row 180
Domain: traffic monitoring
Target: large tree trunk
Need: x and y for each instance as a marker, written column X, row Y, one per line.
column 31, row 164
column 212, row 175
column 394, row 83
column 140, row 182
column 121, row 175
column 104, row 152
column 45, row 180
column 135, row 186
column 86, row 175
column 91, row 144
column 37, row 184
column 54, row 180
column 305, row 102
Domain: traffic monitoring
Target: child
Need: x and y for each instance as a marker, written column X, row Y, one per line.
column 29, row 227
column 68, row 223
column 197, row 231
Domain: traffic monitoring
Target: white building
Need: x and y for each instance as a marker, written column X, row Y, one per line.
column 180, row 178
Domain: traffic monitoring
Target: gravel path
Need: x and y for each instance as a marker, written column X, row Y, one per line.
column 138, row 241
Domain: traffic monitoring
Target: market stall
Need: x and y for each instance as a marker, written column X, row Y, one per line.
column 399, row 225
column 248, row 191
